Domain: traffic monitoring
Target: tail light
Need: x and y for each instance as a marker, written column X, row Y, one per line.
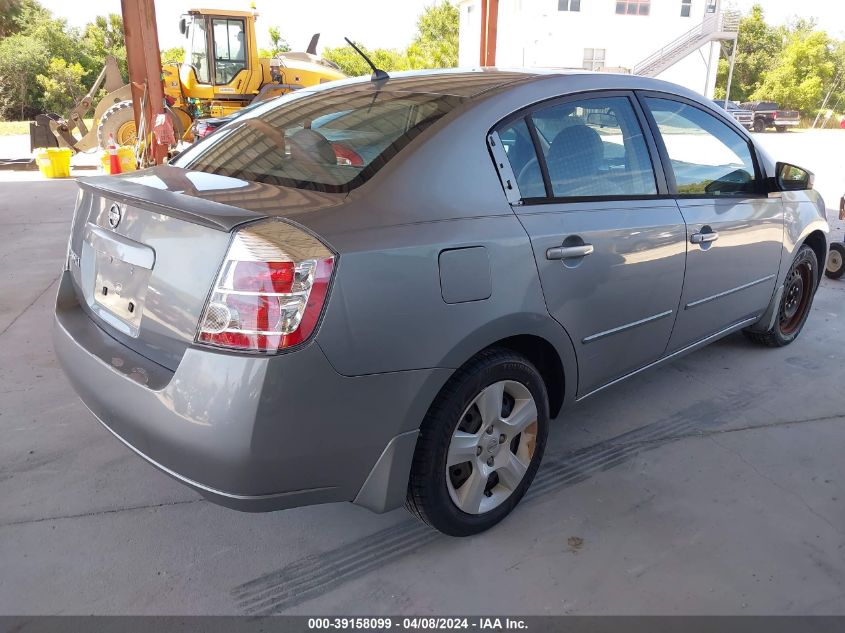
column 347, row 156
column 270, row 291
column 203, row 129
column 774, row 115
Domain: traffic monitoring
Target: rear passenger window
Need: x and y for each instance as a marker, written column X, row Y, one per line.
column 595, row 147
column 523, row 159
column 707, row 156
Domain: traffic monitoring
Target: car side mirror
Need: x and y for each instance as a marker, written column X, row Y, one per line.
column 183, row 26
column 793, row 178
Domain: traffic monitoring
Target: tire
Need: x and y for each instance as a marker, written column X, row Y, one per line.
column 835, row 261
column 799, row 288
column 438, row 494
column 118, row 120
column 759, row 125
column 780, row 128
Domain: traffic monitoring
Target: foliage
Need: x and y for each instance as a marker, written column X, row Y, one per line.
column 802, row 72
column 175, row 54
column 758, row 48
column 436, row 42
column 278, row 44
column 104, row 36
column 62, row 85
column 21, row 58
column 33, row 40
column 14, row 15
column 795, row 65
column 435, row 45
column 352, row 64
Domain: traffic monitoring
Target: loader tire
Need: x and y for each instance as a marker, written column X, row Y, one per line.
column 119, row 121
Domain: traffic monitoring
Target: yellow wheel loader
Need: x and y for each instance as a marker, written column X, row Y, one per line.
column 221, row 73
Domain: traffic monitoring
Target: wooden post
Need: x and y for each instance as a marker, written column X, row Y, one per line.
column 144, row 62
column 489, row 24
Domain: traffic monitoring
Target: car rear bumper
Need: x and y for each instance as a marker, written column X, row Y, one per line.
column 254, row 433
column 786, row 123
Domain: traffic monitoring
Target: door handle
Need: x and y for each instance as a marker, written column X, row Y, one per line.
column 704, row 238
column 569, row 252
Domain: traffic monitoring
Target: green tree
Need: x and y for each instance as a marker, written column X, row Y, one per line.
column 278, row 44
column 352, row 64
column 175, row 54
column 104, row 36
column 436, row 42
column 758, row 48
column 15, row 15
column 62, row 85
column 22, row 57
column 802, row 72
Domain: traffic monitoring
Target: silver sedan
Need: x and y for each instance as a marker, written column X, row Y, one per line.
column 382, row 291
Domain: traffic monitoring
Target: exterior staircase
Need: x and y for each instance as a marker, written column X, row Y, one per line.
column 716, row 27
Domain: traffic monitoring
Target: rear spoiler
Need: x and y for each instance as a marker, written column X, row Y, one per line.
column 201, row 211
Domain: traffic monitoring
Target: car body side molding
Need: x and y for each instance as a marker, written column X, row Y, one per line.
column 690, row 348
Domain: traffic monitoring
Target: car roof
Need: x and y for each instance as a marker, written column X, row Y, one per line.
column 475, row 82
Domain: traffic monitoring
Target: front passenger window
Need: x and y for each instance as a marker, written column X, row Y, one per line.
column 707, row 156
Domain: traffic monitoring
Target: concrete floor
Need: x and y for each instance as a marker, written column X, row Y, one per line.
column 713, row 485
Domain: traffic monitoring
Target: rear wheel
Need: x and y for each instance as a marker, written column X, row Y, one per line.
column 780, row 128
column 799, row 288
column 480, row 444
column 835, row 261
column 759, row 126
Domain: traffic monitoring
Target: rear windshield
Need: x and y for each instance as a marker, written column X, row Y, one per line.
column 326, row 141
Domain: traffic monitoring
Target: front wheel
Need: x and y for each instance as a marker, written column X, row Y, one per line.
column 119, row 122
column 799, row 288
column 835, row 261
column 480, row 444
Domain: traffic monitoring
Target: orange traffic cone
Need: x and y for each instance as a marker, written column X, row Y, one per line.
column 114, row 159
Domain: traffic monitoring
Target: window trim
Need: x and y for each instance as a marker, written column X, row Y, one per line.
column 660, row 180
column 759, row 171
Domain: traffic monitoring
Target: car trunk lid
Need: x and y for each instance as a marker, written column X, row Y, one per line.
column 145, row 249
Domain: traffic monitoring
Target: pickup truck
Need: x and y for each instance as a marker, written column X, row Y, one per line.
column 742, row 116
column 767, row 114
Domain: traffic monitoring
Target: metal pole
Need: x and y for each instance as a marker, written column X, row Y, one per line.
column 731, row 73
column 709, row 65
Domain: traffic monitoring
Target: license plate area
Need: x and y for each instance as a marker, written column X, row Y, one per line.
column 120, row 289
column 116, row 273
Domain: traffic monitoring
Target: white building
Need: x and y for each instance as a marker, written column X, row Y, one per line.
column 675, row 40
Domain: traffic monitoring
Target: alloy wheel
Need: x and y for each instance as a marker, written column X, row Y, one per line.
column 492, row 447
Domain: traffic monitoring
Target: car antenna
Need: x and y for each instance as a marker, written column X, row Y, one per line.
column 378, row 73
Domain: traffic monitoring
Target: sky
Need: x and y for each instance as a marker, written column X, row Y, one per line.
column 375, row 23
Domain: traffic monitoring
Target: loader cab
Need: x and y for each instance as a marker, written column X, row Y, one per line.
column 221, row 57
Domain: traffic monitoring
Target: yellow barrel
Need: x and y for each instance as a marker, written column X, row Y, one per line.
column 54, row 162
column 126, row 154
